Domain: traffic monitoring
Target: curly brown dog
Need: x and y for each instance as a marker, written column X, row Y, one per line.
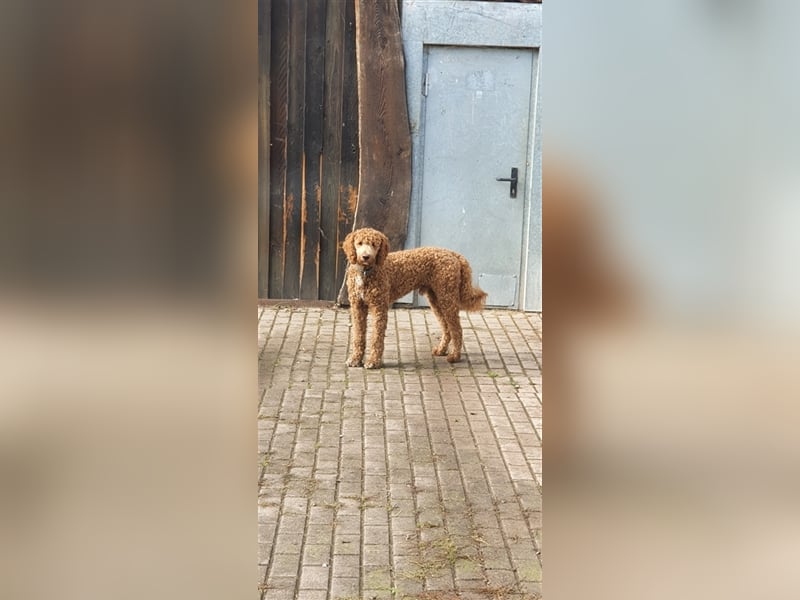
column 377, row 277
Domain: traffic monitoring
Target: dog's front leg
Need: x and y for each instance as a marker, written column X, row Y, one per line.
column 358, row 321
column 379, row 319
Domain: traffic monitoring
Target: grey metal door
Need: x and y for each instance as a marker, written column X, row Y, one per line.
column 472, row 79
column 477, row 104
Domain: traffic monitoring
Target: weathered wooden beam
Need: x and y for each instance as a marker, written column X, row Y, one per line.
column 279, row 108
column 313, row 137
column 384, row 191
column 331, row 150
column 296, row 162
column 264, row 29
column 348, row 185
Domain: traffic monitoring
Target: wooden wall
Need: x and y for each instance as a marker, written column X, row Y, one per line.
column 308, row 145
column 309, row 133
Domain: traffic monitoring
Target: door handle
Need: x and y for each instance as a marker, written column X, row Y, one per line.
column 513, row 179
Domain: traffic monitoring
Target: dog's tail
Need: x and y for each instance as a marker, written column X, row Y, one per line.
column 470, row 298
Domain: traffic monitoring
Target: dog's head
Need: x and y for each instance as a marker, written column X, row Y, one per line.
column 366, row 247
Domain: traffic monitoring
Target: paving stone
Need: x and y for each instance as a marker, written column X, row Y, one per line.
column 442, row 581
column 344, row 587
column 287, row 543
column 319, row 534
column 348, row 524
column 407, row 588
column 346, row 544
column 314, row 595
column 467, row 570
column 316, row 555
column 284, row 565
column 376, row 534
column 279, row 588
column 532, row 589
column 419, row 477
column 379, row 594
column 375, row 555
column 291, row 524
column 277, row 594
column 376, row 515
column 500, row 578
column 320, row 515
column 493, row 549
column 314, row 578
column 529, row 569
column 346, row 566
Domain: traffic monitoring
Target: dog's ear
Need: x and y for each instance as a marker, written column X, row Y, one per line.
column 349, row 247
column 383, row 250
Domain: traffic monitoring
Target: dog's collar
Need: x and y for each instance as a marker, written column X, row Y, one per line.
column 365, row 271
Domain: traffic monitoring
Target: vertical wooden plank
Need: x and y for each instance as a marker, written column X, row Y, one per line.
column 295, row 152
column 384, row 132
column 279, row 109
column 264, row 28
column 348, row 185
column 313, row 128
column 331, row 150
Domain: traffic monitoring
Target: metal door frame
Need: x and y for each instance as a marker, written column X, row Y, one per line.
column 475, row 24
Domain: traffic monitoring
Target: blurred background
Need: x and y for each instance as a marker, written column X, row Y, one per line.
column 127, row 285
column 670, row 252
column 127, row 299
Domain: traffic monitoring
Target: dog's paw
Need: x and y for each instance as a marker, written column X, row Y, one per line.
column 372, row 364
column 439, row 351
column 353, row 362
column 453, row 358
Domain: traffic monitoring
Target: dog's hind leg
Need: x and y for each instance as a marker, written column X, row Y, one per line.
column 452, row 319
column 444, row 342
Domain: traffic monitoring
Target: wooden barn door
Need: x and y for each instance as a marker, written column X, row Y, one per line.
column 334, row 141
column 308, row 145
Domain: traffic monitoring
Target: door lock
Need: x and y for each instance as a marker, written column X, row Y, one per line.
column 513, row 180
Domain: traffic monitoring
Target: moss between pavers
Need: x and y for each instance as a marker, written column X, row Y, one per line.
column 530, row 571
column 378, row 578
column 467, row 568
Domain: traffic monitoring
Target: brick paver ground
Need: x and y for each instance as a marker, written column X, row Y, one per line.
column 418, row 481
